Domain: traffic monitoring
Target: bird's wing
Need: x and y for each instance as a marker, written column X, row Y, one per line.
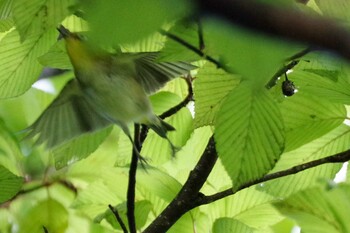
column 153, row 75
column 67, row 117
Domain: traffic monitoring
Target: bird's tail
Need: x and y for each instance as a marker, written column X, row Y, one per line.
column 161, row 128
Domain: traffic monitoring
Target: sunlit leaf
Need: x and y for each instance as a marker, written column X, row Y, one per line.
column 228, row 225
column 20, row 70
column 10, row 184
column 211, row 87
column 249, row 133
column 319, row 209
column 307, row 118
column 37, row 16
column 336, row 141
column 49, row 214
column 56, row 57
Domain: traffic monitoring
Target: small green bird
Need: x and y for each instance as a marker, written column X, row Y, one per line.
column 108, row 89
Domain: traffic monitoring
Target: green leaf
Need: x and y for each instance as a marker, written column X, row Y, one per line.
column 37, row 16
column 211, row 87
column 49, row 214
column 252, row 55
column 18, row 61
column 79, row 148
column 319, row 209
column 249, row 133
column 163, row 101
column 56, row 57
column 322, row 87
column 10, row 184
column 229, row 225
column 307, row 118
column 248, row 206
column 6, row 21
column 336, row 141
column 129, row 21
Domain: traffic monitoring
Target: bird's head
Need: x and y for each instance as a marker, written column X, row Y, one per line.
column 77, row 48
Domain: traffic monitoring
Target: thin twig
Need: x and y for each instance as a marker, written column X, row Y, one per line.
column 280, row 72
column 200, row 35
column 118, row 218
column 337, row 158
column 192, row 48
column 183, row 103
column 130, row 202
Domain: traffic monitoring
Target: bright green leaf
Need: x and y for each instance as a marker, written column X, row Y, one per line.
column 229, row 225
column 319, row 209
column 56, row 57
column 339, row 10
column 336, row 141
column 18, row 61
column 10, row 184
column 49, row 214
column 307, row 118
column 211, row 87
column 249, row 133
column 37, row 16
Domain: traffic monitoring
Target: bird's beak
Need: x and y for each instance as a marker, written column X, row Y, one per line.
column 64, row 32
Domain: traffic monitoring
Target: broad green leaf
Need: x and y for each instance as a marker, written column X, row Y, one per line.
column 320, row 86
column 163, row 101
column 10, row 153
column 252, row 55
column 20, row 68
column 6, row 21
column 79, row 148
column 185, row 224
column 37, row 16
column 249, row 133
column 180, row 166
column 307, row 118
column 229, row 225
column 152, row 43
column 154, row 184
column 49, row 214
column 10, row 184
column 336, row 141
column 174, row 51
column 248, row 206
column 211, row 87
column 56, row 57
column 129, row 21
column 319, row 209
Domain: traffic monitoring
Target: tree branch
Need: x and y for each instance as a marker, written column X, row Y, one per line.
column 337, row 158
column 284, row 23
column 130, row 202
column 189, row 192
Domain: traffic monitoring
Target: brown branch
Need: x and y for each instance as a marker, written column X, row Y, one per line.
column 189, row 193
column 284, row 23
column 337, row 158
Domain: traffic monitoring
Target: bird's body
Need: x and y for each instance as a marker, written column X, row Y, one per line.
column 109, row 89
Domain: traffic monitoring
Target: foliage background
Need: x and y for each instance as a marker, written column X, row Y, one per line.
column 258, row 131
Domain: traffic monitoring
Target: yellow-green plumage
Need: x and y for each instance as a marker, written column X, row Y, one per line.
column 108, row 89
